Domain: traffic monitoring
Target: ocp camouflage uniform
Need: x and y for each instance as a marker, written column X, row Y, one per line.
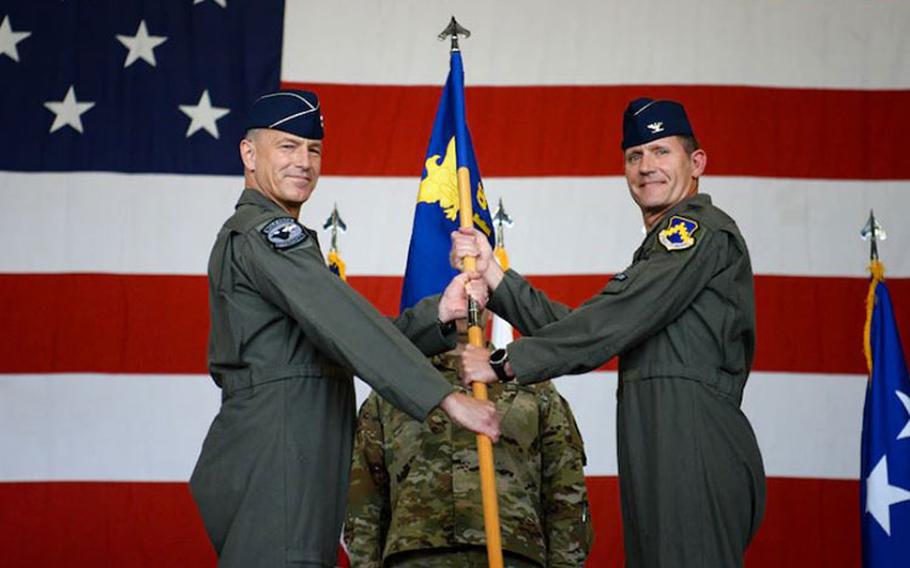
column 415, row 487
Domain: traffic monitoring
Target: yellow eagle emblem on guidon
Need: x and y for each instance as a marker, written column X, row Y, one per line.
column 679, row 233
column 441, row 185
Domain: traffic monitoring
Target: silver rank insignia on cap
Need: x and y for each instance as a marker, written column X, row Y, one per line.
column 679, row 233
column 284, row 232
column 656, row 127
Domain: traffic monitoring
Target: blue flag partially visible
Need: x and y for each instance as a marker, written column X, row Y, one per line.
column 885, row 473
column 436, row 215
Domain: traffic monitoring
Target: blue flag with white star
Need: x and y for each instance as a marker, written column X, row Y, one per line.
column 436, row 214
column 138, row 86
column 885, row 469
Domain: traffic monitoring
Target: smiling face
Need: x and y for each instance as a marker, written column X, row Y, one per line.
column 662, row 173
column 282, row 166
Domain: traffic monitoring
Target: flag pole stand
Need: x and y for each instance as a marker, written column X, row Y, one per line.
column 475, row 337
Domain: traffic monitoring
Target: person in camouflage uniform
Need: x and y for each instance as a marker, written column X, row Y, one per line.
column 415, row 499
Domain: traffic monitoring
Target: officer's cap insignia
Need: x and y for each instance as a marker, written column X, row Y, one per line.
column 284, row 232
column 656, row 127
column 679, row 234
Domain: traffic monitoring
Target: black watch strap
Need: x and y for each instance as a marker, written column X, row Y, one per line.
column 447, row 327
column 498, row 360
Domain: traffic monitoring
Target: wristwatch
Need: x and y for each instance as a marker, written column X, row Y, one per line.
column 498, row 360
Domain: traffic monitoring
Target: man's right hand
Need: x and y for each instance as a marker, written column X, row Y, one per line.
column 476, row 415
column 471, row 242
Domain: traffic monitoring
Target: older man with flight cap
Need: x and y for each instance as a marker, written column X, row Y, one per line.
column 681, row 319
column 286, row 335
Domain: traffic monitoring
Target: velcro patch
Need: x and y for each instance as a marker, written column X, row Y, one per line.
column 284, row 232
column 679, row 234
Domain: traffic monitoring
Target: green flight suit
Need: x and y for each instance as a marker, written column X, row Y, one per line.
column 415, row 497
column 286, row 334
column 681, row 319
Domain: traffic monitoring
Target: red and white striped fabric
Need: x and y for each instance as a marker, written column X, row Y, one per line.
column 802, row 108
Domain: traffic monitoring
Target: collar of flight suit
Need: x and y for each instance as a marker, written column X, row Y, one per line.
column 253, row 197
column 258, row 199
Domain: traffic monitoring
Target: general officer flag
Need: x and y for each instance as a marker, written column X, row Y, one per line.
column 885, row 474
column 436, row 215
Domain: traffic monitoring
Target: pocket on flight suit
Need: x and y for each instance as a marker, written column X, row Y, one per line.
column 622, row 280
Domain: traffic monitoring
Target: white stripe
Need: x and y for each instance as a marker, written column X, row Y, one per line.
column 108, row 222
column 150, row 428
column 103, row 427
column 807, row 425
column 818, row 43
column 165, row 224
column 501, row 334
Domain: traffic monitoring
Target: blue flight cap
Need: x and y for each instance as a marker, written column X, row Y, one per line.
column 646, row 120
column 295, row 112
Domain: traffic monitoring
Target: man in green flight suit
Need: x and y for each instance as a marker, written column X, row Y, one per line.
column 415, row 498
column 286, row 335
column 681, row 318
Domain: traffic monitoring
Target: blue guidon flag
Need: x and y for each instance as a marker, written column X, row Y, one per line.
column 885, row 468
column 436, row 216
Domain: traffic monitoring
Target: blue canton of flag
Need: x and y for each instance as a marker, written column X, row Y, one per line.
column 885, row 473
column 436, row 215
column 133, row 86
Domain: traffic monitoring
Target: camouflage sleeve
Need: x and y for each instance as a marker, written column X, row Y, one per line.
column 368, row 494
column 565, row 497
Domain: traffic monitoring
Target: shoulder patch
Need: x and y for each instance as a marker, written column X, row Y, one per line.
column 284, row 232
column 679, row 234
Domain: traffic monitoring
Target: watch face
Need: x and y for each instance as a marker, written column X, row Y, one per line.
column 498, row 357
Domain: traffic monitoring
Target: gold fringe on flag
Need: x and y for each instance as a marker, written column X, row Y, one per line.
column 877, row 270
column 336, row 265
column 501, row 257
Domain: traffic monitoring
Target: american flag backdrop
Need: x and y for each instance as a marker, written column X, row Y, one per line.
column 118, row 163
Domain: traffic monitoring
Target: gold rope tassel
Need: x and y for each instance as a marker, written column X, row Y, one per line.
column 877, row 270
column 337, row 265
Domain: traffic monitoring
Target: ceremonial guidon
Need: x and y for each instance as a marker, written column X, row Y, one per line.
column 286, row 334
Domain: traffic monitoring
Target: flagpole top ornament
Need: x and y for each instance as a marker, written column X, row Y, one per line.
column 453, row 30
column 501, row 219
column 873, row 232
column 336, row 225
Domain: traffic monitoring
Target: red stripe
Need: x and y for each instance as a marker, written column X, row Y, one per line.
column 809, row 522
column 103, row 323
column 159, row 324
column 576, row 130
column 101, row 524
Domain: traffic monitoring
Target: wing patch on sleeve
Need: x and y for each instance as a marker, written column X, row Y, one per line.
column 679, row 234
